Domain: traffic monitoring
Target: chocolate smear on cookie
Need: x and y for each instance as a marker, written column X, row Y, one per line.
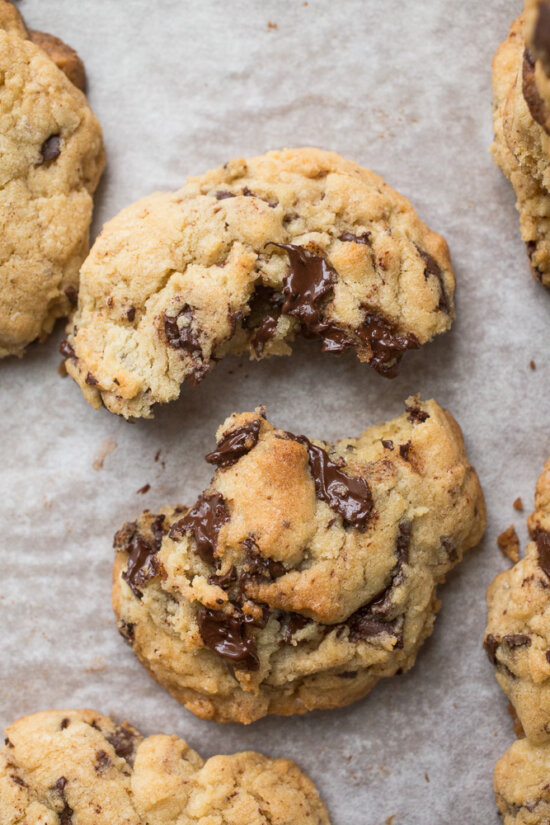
column 234, row 444
column 203, row 521
column 227, row 636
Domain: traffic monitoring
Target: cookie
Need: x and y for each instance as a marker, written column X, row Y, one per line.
column 244, row 258
column 521, row 147
column 78, row 767
column 536, row 81
column 521, row 784
column 51, row 161
column 517, row 638
column 306, row 571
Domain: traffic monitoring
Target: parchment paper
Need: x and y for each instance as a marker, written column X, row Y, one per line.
column 179, row 87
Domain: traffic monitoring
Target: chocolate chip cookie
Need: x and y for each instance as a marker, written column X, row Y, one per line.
column 51, row 160
column 306, row 571
column 521, row 147
column 78, row 767
column 244, row 258
column 517, row 639
column 521, row 784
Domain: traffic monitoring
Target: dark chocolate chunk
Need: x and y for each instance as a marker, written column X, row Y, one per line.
column 387, row 444
column 293, row 623
column 417, row 415
column 222, row 194
column 126, row 630
column 184, row 338
column 102, row 761
column 66, row 815
column 547, row 654
column 404, row 450
column 432, row 268
column 124, row 743
column 531, row 95
column 449, row 547
column 204, row 521
column 517, row 640
column 226, row 580
column 263, row 333
column 541, row 32
column 256, row 566
column 8, row 743
column 71, row 294
column 349, row 496
column 364, row 625
column 491, row 644
column 142, row 562
column 66, row 350
column 227, row 636
column 386, row 345
column 18, row 780
column 143, row 490
column 350, row 237
column 131, row 313
column 65, row 723
column 542, row 539
column 91, row 380
column 235, row 444
column 50, row 149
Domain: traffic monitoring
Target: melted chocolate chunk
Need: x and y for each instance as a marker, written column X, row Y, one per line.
column 517, row 640
column 256, row 566
column 50, row 149
column 204, row 521
column 124, row 743
column 531, row 95
column 91, row 380
column 235, row 444
column 386, row 345
column 142, row 562
column 184, row 338
column 294, row 622
column 222, row 194
column 387, row 444
column 542, row 539
column 131, row 313
column 349, row 496
column 404, row 450
column 541, row 32
column 264, row 333
column 309, row 280
column 433, row 269
column 226, row 580
column 491, row 644
column 227, row 636
column 364, row 625
column 66, row 350
column 350, row 237
column 417, row 415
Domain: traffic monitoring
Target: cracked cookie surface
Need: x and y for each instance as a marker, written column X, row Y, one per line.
column 521, row 147
column 77, row 766
column 51, row 161
column 244, row 258
column 306, row 571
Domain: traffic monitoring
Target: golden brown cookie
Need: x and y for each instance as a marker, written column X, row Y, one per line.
column 78, row 767
column 306, row 571
column 243, row 259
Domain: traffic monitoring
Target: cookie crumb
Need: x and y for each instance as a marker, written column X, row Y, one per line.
column 532, row 364
column 426, row 777
column 390, row 820
column 508, row 543
column 106, row 448
column 518, row 504
column 143, row 490
column 271, row 25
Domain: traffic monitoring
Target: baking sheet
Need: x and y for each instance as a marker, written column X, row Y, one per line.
column 403, row 88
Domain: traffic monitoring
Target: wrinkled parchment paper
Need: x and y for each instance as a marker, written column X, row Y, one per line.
column 180, row 87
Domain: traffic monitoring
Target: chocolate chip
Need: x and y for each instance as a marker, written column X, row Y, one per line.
column 417, row 415
column 91, row 380
column 71, row 294
column 142, row 562
column 66, row 349
column 226, row 580
column 449, row 547
column 517, row 640
column 66, row 815
column 387, row 444
column 204, row 521
column 547, row 654
column 349, row 496
column 65, row 723
column 126, row 630
column 131, row 313
column 293, row 623
column 531, row 95
column 235, row 444
column 263, row 333
column 433, row 269
column 102, row 761
column 542, row 539
column 351, row 238
column 256, row 566
column 541, row 32
column 491, row 644
column 18, row 781
column 226, row 634
column 8, row 743
column 124, row 742
column 222, row 194
column 363, row 625
column 50, row 149
column 404, row 450
column 387, row 346
column 184, row 337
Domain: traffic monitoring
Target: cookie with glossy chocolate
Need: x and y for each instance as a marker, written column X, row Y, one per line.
column 243, row 259
column 517, row 638
column 77, row 767
column 521, row 147
column 51, row 161
column 306, row 571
